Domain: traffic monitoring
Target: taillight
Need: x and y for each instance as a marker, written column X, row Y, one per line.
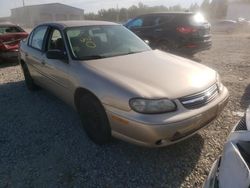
column 186, row 29
column 2, row 47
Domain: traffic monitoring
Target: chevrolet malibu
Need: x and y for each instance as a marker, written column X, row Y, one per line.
column 119, row 86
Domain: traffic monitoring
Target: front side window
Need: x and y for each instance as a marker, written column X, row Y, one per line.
column 56, row 41
column 38, row 36
column 93, row 42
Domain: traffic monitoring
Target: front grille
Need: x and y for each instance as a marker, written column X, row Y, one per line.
column 242, row 125
column 200, row 99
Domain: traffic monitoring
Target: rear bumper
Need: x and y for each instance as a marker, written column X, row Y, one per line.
column 9, row 54
column 195, row 47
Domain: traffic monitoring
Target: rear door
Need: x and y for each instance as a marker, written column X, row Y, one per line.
column 143, row 27
column 136, row 25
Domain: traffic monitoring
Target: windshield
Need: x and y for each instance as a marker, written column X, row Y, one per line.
column 94, row 42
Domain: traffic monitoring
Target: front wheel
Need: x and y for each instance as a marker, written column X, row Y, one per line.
column 28, row 79
column 94, row 120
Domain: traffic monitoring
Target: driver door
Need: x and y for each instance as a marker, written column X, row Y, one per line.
column 56, row 70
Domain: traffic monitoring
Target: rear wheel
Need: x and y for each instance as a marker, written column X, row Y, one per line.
column 28, row 79
column 94, row 120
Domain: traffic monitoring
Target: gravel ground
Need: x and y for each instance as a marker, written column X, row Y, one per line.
column 43, row 145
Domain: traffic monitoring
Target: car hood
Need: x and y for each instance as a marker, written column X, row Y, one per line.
column 155, row 73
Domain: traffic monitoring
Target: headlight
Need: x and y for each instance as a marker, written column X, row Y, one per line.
column 219, row 83
column 152, row 106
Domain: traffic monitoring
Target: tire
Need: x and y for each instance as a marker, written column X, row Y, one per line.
column 28, row 79
column 94, row 120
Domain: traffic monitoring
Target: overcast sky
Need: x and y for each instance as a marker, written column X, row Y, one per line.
column 91, row 5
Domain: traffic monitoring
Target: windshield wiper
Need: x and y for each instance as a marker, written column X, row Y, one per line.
column 93, row 57
column 128, row 53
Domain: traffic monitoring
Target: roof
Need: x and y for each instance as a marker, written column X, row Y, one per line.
column 47, row 4
column 7, row 23
column 78, row 23
column 169, row 13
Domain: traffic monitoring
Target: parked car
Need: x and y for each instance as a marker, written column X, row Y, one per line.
column 185, row 33
column 225, row 26
column 10, row 36
column 232, row 168
column 119, row 85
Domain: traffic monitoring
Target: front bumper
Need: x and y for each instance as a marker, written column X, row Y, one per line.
column 169, row 129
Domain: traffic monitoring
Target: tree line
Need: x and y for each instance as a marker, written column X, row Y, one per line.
column 215, row 9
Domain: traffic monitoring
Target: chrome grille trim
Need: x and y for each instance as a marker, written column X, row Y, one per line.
column 200, row 99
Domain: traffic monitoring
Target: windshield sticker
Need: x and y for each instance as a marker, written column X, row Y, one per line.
column 88, row 42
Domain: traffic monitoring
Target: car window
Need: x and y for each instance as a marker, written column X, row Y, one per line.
column 135, row 23
column 38, row 37
column 103, row 41
column 10, row 29
column 163, row 19
column 149, row 21
column 56, row 41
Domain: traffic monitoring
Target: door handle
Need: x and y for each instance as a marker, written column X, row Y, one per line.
column 26, row 54
column 43, row 62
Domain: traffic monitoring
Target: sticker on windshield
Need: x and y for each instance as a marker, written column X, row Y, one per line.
column 88, row 42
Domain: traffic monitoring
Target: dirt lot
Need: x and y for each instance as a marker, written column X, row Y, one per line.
column 43, row 145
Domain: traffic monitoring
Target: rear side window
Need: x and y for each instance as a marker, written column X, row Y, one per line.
column 37, row 39
column 135, row 23
column 163, row 19
column 10, row 29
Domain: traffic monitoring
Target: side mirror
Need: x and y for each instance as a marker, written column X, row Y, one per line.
column 56, row 54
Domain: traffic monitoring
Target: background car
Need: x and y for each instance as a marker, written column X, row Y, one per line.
column 224, row 26
column 232, row 168
column 184, row 33
column 119, row 85
column 10, row 37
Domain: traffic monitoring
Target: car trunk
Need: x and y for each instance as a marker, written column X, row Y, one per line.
column 10, row 41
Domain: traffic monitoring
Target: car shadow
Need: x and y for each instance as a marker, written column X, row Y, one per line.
column 8, row 62
column 245, row 99
column 42, row 143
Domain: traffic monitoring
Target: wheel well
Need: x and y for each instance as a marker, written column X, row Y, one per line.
column 22, row 62
column 80, row 92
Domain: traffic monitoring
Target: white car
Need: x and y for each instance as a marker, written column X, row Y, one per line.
column 224, row 26
column 232, row 169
